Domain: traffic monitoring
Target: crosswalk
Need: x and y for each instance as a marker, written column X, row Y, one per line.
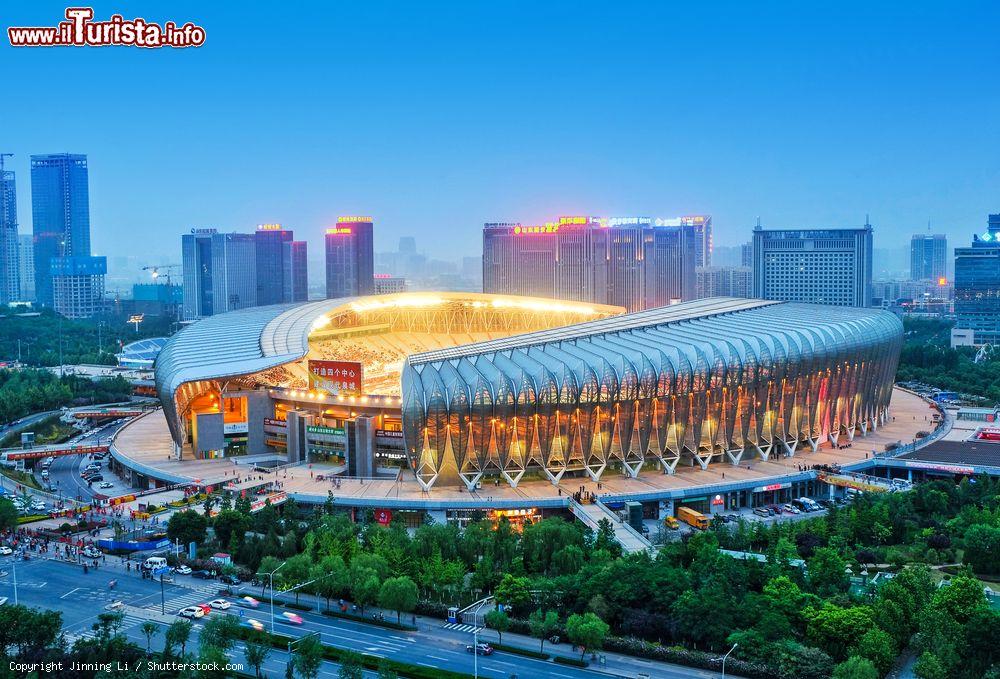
column 460, row 627
column 128, row 622
column 199, row 596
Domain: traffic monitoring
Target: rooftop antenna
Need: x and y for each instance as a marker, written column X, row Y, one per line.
column 758, row 223
column 867, row 222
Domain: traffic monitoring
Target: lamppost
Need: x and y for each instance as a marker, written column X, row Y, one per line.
column 475, row 638
column 270, row 577
column 724, row 660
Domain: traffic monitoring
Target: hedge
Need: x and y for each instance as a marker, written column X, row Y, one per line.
column 32, row 517
column 389, row 624
column 684, row 656
column 573, row 662
column 537, row 655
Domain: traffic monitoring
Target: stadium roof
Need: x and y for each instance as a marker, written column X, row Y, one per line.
column 249, row 341
column 141, row 353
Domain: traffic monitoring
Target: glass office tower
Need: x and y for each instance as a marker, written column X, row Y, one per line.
column 350, row 258
column 60, row 214
column 977, row 285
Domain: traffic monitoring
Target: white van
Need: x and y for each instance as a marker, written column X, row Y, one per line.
column 154, row 562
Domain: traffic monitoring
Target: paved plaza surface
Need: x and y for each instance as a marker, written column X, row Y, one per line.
column 146, row 443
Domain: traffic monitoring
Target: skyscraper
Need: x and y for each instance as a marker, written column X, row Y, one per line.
column 220, row 272
column 818, row 266
column 977, row 286
column 702, row 225
column 724, row 281
column 635, row 262
column 928, row 257
column 295, row 274
column 60, row 215
column 269, row 253
column 350, row 258
column 10, row 270
column 78, row 285
column 26, row 265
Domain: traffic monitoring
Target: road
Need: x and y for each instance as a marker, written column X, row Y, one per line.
column 64, row 474
column 25, row 423
column 80, row 598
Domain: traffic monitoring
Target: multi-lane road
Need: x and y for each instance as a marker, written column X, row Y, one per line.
column 80, row 598
column 64, row 473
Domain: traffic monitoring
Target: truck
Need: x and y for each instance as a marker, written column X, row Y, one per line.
column 692, row 518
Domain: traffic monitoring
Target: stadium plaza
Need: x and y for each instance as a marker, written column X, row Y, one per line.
column 467, row 403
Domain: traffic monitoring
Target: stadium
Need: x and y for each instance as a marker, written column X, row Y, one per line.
column 455, row 388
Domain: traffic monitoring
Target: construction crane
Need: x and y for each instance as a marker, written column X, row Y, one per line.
column 155, row 270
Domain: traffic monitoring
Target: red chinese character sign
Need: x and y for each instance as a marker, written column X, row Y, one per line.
column 336, row 377
column 383, row 516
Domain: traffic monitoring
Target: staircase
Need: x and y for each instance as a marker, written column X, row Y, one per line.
column 590, row 515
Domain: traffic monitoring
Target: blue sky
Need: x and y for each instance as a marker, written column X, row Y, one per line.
column 436, row 117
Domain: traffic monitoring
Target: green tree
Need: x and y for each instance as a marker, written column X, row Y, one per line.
column 269, row 564
column 309, row 656
column 878, row 647
column 351, row 666
column 982, row 549
column 827, row 572
column 835, row 629
column 8, row 515
column 398, row 594
column 332, row 577
column 497, row 620
column 513, row 592
column 586, row 631
column 178, row 634
column 256, row 650
column 856, row 668
column 220, row 632
column 543, row 625
column 929, row 667
column 295, row 572
column 187, row 526
column 385, row 671
column 229, row 524
column 149, row 630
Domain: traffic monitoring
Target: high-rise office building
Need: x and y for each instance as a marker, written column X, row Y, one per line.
column 295, row 273
column 746, row 254
column 269, row 252
column 724, row 281
column 702, row 225
column 10, row 270
column 78, row 285
column 977, row 287
column 817, row 266
column 60, row 215
column 220, row 272
column 635, row 262
column 282, row 274
column 350, row 258
column 928, row 257
column 26, row 266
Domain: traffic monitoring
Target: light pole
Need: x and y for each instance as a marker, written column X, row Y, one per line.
column 724, row 660
column 270, row 577
column 475, row 639
column 13, row 564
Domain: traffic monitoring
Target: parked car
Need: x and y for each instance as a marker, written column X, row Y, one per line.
column 106, row 484
column 231, row 580
column 762, row 511
column 191, row 612
column 203, row 575
column 480, row 649
column 94, row 479
column 6, row 551
column 775, row 509
column 183, row 569
column 790, row 509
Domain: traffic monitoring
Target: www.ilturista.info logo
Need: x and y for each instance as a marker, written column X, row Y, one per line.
column 80, row 30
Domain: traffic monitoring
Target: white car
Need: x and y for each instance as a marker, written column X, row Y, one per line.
column 92, row 553
column 220, row 604
column 106, row 484
column 6, row 551
column 791, row 509
column 191, row 612
column 183, row 570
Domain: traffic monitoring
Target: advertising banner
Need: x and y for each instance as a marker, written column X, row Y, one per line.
column 336, row 377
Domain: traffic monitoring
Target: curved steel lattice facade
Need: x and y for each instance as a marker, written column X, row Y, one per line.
column 713, row 379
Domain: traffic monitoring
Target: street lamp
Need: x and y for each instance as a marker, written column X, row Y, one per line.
column 270, row 577
column 475, row 638
column 724, row 660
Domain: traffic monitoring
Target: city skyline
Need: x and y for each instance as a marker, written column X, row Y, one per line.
column 804, row 132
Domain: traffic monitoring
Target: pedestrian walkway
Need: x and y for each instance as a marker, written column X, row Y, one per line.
column 201, row 595
column 460, row 627
column 591, row 514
